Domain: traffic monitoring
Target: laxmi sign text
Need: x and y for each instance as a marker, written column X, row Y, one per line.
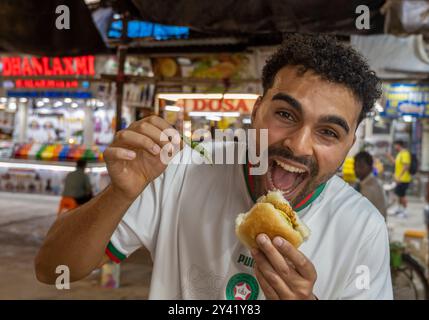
column 45, row 66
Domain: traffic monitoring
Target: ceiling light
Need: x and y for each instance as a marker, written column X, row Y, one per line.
column 216, row 114
column 172, row 108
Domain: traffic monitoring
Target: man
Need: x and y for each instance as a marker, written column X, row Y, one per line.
column 369, row 186
column 316, row 92
column 402, row 175
column 77, row 184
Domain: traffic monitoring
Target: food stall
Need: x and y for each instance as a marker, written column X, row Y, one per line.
column 52, row 114
column 219, row 92
column 189, row 112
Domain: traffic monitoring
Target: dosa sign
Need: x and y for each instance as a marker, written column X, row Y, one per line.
column 243, row 106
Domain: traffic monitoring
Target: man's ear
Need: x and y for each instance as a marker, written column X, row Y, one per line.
column 256, row 107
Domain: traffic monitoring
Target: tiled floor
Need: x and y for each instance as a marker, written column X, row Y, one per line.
column 24, row 220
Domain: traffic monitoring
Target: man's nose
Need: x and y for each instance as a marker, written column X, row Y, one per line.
column 300, row 142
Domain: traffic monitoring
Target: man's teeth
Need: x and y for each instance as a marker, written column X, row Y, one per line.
column 289, row 168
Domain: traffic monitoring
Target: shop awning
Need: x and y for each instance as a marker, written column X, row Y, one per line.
column 29, row 26
column 394, row 57
column 263, row 16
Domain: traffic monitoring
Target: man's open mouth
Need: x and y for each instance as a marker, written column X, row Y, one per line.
column 286, row 176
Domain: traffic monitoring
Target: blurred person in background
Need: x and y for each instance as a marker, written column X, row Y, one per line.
column 402, row 175
column 77, row 184
column 369, row 186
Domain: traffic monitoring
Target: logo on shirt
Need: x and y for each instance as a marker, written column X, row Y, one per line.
column 242, row 286
column 245, row 260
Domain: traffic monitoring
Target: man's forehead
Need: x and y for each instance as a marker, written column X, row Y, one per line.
column 295, row 78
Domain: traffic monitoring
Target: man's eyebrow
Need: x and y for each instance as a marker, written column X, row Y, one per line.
column 289, row 99
column 336, row 120
column 297, row 106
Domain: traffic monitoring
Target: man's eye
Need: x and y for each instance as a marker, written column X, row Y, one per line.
column 329, row 133
column 286, row 115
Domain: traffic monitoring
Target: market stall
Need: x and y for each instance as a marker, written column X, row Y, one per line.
column 219, row 91
column 189, row 112
column 402, row 114
column 52, row 113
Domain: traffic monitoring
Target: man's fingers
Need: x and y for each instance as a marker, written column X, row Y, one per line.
column 117, row 153
column 269, row 292
column 156, row 134
column 134, row 140
column 273, row 255
column 158, row 122
column 302, row 264
column 271, row 276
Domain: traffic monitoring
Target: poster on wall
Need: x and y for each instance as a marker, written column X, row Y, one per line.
column 64, row 126
column 406, row 99
column 226, row 67
column 6, row 125
column 44, row 130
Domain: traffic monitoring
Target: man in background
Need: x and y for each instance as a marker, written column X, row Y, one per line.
column 77, row 184
column 369, row 186
column 402, row 175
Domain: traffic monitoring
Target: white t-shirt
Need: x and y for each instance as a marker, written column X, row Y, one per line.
column 186, row 219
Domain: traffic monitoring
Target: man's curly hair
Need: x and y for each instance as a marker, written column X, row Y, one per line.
column 332, row 60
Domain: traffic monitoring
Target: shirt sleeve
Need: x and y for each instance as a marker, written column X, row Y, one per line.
column 138, row 226
column 406, row 158
column 370, row 278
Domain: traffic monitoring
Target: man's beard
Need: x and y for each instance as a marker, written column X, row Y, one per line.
column 313, row 180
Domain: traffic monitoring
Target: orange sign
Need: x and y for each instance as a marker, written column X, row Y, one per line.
column 243, row 106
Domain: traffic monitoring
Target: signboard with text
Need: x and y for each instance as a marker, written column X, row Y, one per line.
column 406, row 99
column 31, row 72
column 244, row 106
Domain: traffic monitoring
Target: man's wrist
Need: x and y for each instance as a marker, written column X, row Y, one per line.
column 118, row 194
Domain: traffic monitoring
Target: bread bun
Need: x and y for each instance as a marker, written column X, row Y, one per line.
column 274, row 216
